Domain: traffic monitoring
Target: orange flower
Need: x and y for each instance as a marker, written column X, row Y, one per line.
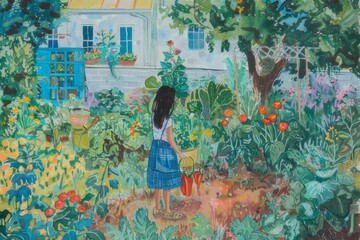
column 283, row 126
column 133, row 133
column 272, row 117
column 139, row 109
column 130, row 114
column 243, row 118
column 132, row 128
column 277, row 104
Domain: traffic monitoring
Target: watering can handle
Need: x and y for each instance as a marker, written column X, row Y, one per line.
column 93, row 122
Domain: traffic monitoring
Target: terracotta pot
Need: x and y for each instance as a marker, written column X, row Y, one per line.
column 64, row 138
column 48, row 137
column 92, row 61
column 127, row 62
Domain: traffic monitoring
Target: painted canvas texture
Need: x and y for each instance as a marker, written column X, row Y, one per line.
column 266, row 118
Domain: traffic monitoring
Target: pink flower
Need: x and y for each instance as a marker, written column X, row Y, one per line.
column 352, row 102
column 177, row 51
column 341, row 106
column 170, row 43
column 351, row 88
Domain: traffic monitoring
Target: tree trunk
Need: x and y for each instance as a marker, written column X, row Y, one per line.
column 262, row 84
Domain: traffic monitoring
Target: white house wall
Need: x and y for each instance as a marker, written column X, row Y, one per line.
column 193, row 58
column 105, row 22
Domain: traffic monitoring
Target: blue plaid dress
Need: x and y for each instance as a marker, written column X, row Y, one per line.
column 163, row 170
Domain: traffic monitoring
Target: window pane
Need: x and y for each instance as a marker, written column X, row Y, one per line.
column 191, row 36
column 129, row 33
column 191, row 44
column 129, row 47
column 85, row 33
column 122, row 47
column 90, row 32
column 123, row 33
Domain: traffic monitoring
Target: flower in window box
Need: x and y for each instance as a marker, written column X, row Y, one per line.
column 127, row 59
column 93, row 56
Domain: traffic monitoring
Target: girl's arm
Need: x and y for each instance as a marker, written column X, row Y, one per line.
column 172, row 143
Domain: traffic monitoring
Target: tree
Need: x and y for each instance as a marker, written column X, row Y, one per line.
column 24, row 25
column 329, row 27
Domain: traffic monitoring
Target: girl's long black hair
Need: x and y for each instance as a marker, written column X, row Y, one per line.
column 163, row 105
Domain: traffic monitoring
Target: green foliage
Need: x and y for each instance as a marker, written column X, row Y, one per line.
column 108, row 49
column 109, row 101
column 332, row 31
column 247, row 229
column 202, row 229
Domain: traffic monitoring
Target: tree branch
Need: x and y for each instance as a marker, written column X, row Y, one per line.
column 196, row 19
column 354, row 58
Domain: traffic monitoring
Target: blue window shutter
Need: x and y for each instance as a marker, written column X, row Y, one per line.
column 129, row 47
column 122, row 47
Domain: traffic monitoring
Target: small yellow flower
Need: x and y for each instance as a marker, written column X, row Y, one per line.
column 192, row 137
column 15, row 110
column 26, row 99
column 19, row 100
column 12, row 120
column 5, row 143
column 195, row 131
column 208, row 132
column 36, row 121
column 31, row 116
column 33, row 108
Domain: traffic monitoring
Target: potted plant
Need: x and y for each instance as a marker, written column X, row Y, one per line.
column 48, row 132
column 92, row 57
column 127, row 59
column 64, row 132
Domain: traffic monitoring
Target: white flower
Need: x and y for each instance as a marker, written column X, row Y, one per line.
column 57, row 121
column 47, row 120
column 191, row 115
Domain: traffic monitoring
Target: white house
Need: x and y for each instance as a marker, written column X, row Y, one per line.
column 139, row 29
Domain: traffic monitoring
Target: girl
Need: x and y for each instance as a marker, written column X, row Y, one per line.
column 163, row 171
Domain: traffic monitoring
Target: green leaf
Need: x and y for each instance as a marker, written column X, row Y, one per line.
column 326, row 173
column 95, row 235
column 247, row 128
column 288, row 202
column 245, row 227
column 152, row 83
column 144, row 228
column 202, row 229
column 294, row 155
column 276, row 149
column 168, row 232
column 166, row 65
column 194, row 106
column 88, row 197
column 308, row 210
column 91, row 181
column 211, row 89
column 168, row 56
column 102, row 209
column 345, row 179
column 303, row 175
column 125, row 228
column 224, row 98
column 322, row 191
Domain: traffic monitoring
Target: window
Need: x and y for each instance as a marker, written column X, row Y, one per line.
column 196, row 38
column 53, row 40
column 126, row 40
column 88, row 38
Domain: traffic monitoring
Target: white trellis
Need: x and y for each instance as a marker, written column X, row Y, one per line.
column 276, row 53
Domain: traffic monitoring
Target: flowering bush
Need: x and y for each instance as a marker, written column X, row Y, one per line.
column 173, row 71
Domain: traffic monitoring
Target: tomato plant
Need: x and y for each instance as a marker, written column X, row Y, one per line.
column 272, row 117
column 277, row 105
column 228, row 113
column 262, row 110
column 243, row 118
column 266, row 121
column 283, row 126
column 224, row 122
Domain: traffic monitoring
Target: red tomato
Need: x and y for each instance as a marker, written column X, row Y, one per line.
column 243, row 118
column 283, row 126
column 71, row 193
column 63, row 196
column 59, row 204
column 224, row 122
column 81, row 209
column 75, row 199
column 272, row 117
column 49, row 212
column 266, row 121
column 262, row 110
column 228, row 113
column 277, row 104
